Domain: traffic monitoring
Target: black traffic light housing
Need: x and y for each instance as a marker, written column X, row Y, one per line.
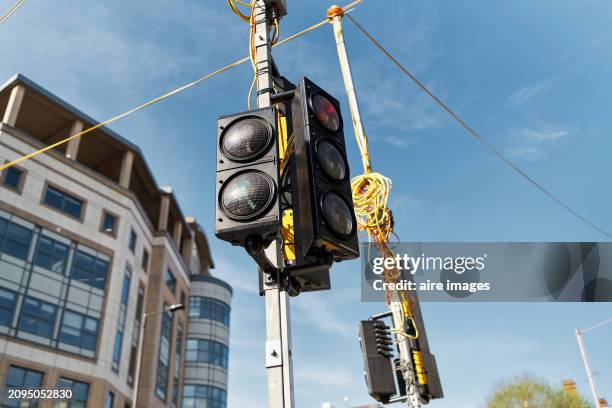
column 320, row 178
column 376, row 347
column 247, row 185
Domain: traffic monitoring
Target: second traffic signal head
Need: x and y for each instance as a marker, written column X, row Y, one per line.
column 320, row 178
column 247, row 177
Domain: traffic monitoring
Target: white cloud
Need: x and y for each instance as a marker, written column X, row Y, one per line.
column 240, row 278
column 334, row 376
column 526, row 93
column 537, row 142
column 318, row 313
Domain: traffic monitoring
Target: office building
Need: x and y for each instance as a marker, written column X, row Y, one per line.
column 88, row 243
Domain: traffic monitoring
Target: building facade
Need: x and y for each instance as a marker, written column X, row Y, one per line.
column 89, row 244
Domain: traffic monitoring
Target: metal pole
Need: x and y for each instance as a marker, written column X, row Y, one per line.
column 395, row 305
column 587, row 366
column 279, row 362
column 348, row 82
column 139, row 361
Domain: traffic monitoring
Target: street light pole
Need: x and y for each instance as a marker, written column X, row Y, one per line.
column 587, row 366
column 585, row 359
column 145, row 316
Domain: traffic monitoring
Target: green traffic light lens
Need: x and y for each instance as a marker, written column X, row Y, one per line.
column 247, row 195
column 332, row 160
column 326, row 112
column 338, row 215
column 246, row 139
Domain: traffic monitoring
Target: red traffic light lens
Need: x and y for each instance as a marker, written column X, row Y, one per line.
column 247, row 195
column 326, row 112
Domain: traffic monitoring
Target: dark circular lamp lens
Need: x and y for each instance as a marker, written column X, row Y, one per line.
column 338, row 215
column 246, row 139
column 247, row 195
column 332, row 161
column 326, row 112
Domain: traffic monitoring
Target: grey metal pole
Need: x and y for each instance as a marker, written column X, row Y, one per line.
column 279, row 362
column 145, row 316
column 139, row 361
column 587, row 366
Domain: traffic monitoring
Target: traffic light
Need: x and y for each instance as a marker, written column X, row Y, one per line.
column 247, row 177
column 320, row 179
column 376, row 347
column 422, row 362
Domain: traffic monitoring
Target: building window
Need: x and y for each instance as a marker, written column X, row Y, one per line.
column 109, row 223
column 64, row 202
column 145, row 260
column 79, row 330
column 183, row 299
column 7, row 306
column 175, row 392
column 89, row 270
column 13, row 178
column 136, row 335
column 204, row 396
column 178, row 351
column 15, row 240
column 132, row 241
column 117, row 350
column 208, row 308
column 207, row 351
column 51, row 255
column 161, row 383
column 125, row 295
column 80, row 393
column 170, row 281
column 37, row 317
column 19, row 378
column 110, row 400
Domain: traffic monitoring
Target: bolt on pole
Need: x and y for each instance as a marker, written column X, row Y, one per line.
column 279, row 362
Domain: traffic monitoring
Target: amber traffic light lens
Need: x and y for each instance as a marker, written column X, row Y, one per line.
column 326, row 112
column 338, row 215
column 331, row 160
column 247, row 195
column 246, row 139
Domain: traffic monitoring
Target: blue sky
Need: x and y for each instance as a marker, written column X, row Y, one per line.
column 533, row 77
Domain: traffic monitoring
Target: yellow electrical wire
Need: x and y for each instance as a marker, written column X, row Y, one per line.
column 11, row 10
column 242, row 3
column 242, row 16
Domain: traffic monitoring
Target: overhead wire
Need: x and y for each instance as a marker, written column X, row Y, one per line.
column 152, row 101
column 476, row 134
column 7, row 14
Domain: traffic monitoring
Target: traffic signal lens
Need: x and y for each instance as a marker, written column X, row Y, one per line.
column 338, row 215
column 331, row 160
column 247, row 195
column 326, row 112
column 246, row 139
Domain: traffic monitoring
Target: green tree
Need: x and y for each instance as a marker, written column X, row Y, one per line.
column 529, row 392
